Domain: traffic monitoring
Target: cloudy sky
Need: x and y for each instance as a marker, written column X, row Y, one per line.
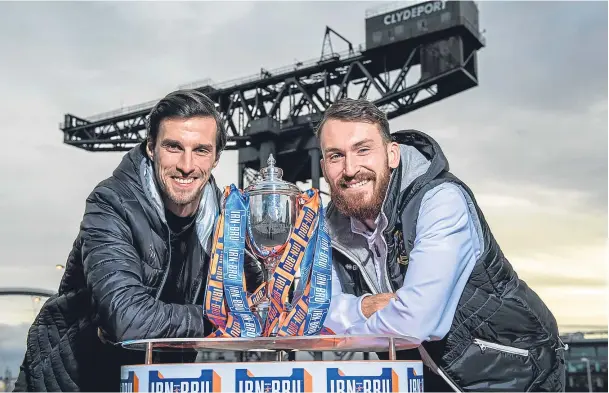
column 531, row 140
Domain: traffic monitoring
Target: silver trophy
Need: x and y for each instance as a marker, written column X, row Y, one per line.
column 274, row 207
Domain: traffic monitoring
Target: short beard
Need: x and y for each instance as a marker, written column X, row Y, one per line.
column 178, row 199
column 360, row 211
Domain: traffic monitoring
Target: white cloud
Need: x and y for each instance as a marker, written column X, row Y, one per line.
column 577, row 308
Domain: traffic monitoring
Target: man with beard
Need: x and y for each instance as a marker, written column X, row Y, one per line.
column 414, row 256
column 139, row 263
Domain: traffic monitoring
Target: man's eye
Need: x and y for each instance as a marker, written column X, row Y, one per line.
column 173, row 148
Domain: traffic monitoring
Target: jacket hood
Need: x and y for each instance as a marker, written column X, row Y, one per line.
column 136, row 171
column 420, row 155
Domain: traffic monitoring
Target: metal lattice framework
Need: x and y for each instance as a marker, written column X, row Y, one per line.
column 282, row 106
column 302, row 89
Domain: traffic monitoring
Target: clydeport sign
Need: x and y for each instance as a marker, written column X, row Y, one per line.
column 415, row 11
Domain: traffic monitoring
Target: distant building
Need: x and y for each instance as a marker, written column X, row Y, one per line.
column 586, row 359
column 7, row 382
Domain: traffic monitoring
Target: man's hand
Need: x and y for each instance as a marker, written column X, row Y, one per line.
column 373, row 303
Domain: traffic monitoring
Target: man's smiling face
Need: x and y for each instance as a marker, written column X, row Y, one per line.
column 357, row 165
column 184, row 154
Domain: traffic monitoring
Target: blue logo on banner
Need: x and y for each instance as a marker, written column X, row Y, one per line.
column 299, row 382
column 338, row 382
column 207, row 382
column 415, row 382
column 130, row 384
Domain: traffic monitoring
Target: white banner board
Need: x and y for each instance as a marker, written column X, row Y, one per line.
column 275, row 377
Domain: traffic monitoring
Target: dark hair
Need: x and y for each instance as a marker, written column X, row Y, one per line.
column 360, row 110
column 184, row 104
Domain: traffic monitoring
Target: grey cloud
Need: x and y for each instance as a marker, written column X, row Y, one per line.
column 99, row 56
column 85, row 58
column 545, row 280
column 539, row 115
column 532, row 120
column 277, row 34
column 518, row 148
column 547, row 56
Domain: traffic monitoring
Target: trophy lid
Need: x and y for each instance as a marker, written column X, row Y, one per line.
column 270, row 181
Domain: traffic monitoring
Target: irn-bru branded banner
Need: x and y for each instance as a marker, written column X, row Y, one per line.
column 276, row 377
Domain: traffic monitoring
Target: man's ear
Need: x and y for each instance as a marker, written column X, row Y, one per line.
column 150, row 150
column 323, row 170
column 393, row 154
column 218, row 155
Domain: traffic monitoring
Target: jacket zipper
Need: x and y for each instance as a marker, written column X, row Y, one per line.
column 372, row 287
column 200, row 285
column 383, row 267
column 384, row 272
column 501, row 348
column 211, row 257
column 160, row 291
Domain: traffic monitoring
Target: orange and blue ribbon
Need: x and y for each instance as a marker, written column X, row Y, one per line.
column 227, row 303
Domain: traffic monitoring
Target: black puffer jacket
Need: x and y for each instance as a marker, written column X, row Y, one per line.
column 112, row 283
column 503, row 337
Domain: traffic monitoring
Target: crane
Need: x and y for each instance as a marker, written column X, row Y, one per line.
column 276, row 111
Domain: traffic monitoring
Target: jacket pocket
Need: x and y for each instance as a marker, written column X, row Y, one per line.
column 485, row 366
column 484, row 345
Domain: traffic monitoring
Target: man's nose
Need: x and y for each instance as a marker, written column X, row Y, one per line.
column 186, row 163
column 351, row 166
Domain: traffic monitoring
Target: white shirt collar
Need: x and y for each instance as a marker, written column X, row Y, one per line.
column 361, row 229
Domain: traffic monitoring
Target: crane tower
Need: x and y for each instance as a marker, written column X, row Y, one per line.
column 413, row 56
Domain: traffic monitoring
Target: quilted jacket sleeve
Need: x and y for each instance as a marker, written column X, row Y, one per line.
column 126, row 308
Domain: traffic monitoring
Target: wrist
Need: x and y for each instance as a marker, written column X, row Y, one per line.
column 374, row 303
column 368, row 306
column 360, row 306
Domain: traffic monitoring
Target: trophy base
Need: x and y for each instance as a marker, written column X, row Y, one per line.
column 261, row 310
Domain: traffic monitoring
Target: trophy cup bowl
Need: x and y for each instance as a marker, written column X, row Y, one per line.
column 274, row 206
column 271, row 220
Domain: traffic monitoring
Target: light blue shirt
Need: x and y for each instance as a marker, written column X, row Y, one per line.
column 445, row 251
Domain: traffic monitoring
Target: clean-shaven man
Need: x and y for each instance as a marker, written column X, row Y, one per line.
column 139, row 264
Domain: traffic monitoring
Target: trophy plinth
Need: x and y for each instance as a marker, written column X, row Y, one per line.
column 273, row 210
column 334, row 368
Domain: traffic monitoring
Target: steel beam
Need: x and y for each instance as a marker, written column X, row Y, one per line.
column 291, row 100
column 26, row 292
